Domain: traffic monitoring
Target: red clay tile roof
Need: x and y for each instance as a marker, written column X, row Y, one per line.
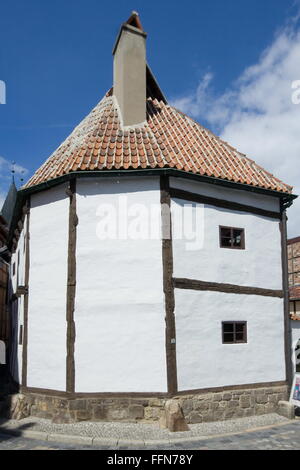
column 169, row 139
column 295, row 317
column 294, row 293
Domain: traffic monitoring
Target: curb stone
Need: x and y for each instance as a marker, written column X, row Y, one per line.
column 126, row 442
column 39, row 435
column 155, row 442
column 65, row 438
column 98, row 441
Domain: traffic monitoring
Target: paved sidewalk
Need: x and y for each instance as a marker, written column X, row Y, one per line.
column 142, row 435
column 284, row 436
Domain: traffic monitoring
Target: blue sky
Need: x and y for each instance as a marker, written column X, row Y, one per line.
column 56, row 62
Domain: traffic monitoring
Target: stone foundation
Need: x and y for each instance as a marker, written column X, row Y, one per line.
column 197, row 408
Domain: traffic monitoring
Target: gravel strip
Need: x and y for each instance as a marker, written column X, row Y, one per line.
column 142, row 431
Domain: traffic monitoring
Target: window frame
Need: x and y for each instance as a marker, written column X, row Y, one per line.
column 242, row 247
column 235, row 322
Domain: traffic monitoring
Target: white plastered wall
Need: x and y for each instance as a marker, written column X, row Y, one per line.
column 221, row 192
column 49, row 220
column 203, row 361
column 258, row 265
column 119, row 310
column 17, row 278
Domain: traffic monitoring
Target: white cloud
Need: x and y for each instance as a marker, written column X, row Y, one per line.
column 256, row 114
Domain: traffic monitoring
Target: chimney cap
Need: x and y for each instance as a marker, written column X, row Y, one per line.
column 134, row 25
column 134, row 20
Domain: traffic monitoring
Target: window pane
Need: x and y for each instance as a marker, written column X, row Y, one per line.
column 239, row 327
column 239, row 336
column 237, row 237
column 225, row 241
column 226, row 232
column 228, row 327
column 228, row 337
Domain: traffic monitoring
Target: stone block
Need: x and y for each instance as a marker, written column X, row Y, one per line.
column 117, row 414
column 174, row 418
column 136, row 411
column 99, row 412
column 245, row 401
column 223, row 404
column 261, row 399
column 260, row 409
column 217, row 397
column 286, row 409
column 155, row 402
column 233, row 404
column 79, row 405
column 218, row 415
column 187, row 405
column 227, row 396
column 201, row 405
column 83, row 415
column 273, row 398
column 152, row 413
column 214, row 406
column 229, row 413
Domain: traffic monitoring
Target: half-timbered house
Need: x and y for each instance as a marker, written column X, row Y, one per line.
column 109, row 326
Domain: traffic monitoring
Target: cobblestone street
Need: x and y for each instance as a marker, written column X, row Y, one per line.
column 285, row 437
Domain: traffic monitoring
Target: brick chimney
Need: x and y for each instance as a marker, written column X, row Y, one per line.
column 130, row 71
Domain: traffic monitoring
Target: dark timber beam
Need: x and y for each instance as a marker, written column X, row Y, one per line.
column 104, row 395
column 26, row 211
column 167, row 260
column 193, row 284
column 285, row 286
column 71, row 288
column 236, row 206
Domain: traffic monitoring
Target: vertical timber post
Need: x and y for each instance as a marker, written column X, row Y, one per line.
column 26, row 211
column 167, row 259
column 285, row 286
column 71, row 288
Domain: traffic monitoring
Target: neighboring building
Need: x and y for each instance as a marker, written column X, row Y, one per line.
column 108, row 324
column 4, row 319
column 294, row 289
column 6, row 214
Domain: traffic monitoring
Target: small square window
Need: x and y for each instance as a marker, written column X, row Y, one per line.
column 234, row 332
column 231, row 237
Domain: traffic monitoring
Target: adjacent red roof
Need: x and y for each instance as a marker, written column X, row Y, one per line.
column 295, row 317
column 168, row 139
column 294, row 293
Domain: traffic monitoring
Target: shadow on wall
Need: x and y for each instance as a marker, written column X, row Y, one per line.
column 9, row 372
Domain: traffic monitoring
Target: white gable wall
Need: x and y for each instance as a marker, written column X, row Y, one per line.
column 119, row 311
column 49, row 216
